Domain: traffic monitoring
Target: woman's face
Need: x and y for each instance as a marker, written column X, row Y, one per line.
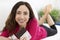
column 22, row 15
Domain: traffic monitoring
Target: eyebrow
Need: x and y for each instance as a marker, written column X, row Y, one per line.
column 18, row 11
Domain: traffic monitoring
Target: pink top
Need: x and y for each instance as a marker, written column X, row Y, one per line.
column 33, row 28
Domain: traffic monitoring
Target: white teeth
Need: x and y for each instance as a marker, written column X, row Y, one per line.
column 21, row 21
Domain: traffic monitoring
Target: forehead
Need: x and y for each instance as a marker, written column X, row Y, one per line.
column 23, row 8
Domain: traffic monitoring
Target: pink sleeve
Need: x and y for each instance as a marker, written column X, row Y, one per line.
column 35, row 30
column 5, row 33
column 32, row 26
column 42, row 32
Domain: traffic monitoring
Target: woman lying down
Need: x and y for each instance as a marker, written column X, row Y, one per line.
column 22, row 23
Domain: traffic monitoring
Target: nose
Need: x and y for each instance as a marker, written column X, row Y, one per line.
column 21, row 16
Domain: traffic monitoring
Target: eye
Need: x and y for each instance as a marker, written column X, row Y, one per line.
column 25, row 13
column 18, row 12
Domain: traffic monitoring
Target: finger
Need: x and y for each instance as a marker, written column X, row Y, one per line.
column 24, row 38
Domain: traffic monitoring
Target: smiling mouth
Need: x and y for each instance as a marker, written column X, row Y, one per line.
column 21, row 21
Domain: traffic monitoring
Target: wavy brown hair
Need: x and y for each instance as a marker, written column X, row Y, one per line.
column 11, row 22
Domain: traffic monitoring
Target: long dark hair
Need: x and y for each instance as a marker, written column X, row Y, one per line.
column 10, row 22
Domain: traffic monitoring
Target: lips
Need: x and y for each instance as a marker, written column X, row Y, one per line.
column 21, row 21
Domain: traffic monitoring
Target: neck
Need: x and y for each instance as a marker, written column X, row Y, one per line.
column 22, row 26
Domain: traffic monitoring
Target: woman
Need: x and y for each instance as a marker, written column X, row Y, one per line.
column 22, row 16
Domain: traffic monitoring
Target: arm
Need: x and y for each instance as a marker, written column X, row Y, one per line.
column 4, row 35
column 4, row 38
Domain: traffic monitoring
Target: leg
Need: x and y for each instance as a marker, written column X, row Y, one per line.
column 50, row 20
column 46, row 11
column 43, row 19
column 50, row 31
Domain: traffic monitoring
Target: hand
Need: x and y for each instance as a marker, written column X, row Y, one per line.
column 47, row 9
column 23, row 38
column 4, row 38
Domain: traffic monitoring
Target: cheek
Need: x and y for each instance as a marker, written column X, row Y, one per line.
column 16, row 17
column 27, row 18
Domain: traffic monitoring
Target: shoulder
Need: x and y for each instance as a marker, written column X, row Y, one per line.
column 33, row 22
